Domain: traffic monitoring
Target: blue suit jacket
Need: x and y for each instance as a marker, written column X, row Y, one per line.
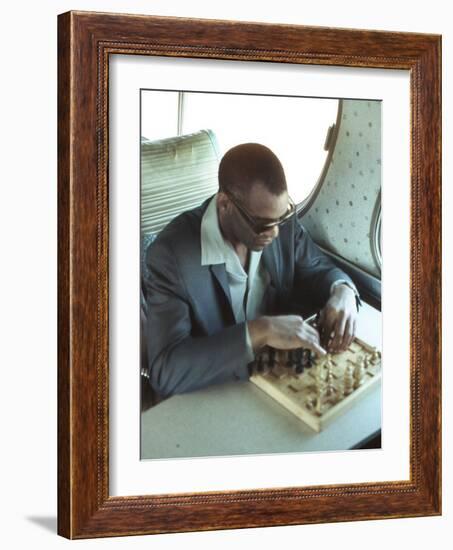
column 192, row 339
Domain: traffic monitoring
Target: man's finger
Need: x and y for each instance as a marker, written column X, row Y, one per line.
column 327, row 328
column 311, row 332
column 339, row 333
column 347, row 338
column 320, row 318
column 318, row 349
column 320, row 323
column 353, row 332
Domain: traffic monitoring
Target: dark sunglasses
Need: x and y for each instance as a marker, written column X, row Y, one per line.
column 259, row 225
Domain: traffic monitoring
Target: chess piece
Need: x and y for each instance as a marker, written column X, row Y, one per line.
column 348, row 380
column 328, row 366
column 376, row 355
column 289, row 358
column 319, row 373
column 279, row 361
column 265, row 361
column 310, row 403
column 319, row 392
column 330, row 385
column 320, row 387
column 271, row 358
column 300, row 360
column 259, row 363
column 359, row 373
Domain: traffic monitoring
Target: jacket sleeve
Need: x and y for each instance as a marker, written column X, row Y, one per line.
column 178, row 361
column 314, row 271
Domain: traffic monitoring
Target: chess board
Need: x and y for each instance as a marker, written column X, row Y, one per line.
column 318, row 390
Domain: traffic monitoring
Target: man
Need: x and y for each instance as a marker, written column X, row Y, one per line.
column 225, row 278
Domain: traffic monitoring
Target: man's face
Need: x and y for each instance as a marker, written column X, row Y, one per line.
column 263, row 207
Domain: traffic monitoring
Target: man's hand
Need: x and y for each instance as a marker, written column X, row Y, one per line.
column 284, row 332
column 337, row 320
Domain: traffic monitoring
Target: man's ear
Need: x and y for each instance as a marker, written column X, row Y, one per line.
column 222, row 201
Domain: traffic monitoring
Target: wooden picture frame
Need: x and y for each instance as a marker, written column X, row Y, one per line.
column 85, row 41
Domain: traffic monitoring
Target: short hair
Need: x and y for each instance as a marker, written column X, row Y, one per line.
column 246, row 163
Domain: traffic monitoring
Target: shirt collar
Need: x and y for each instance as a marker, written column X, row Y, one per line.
column 212, row 242
column 215, row 249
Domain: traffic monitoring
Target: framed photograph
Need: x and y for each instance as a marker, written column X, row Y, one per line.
column 151, row 110
column 184, row 134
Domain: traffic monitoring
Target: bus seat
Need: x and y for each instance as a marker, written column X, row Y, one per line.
column 177, row 174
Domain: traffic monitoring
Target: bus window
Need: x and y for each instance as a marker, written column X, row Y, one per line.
column 293, row 127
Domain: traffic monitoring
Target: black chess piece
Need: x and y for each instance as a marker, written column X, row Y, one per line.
column 300, row 356
column 303, row 356
column 260, row 363
column 289, row 359
column 271, row 358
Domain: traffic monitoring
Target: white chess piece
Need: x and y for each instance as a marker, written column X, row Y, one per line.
column 359, row 372
column 348, row 380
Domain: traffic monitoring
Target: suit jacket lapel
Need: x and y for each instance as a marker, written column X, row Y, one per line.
column 271, row 257
column 219, row 272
